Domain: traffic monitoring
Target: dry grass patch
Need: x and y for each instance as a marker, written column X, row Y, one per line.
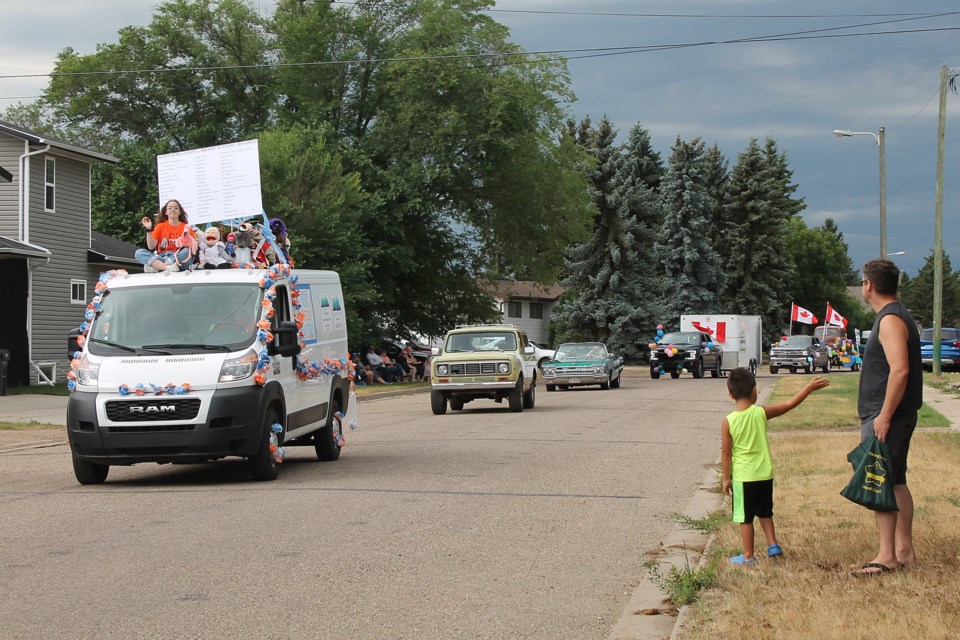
column 810, row 593
column 946, row 382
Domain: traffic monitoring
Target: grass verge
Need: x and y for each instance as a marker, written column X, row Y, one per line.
column 947, row 382
column 374, row 389
column 810, row 593
column 28, row 426
column 60, row 389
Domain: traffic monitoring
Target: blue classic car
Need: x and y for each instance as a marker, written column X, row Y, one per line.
column 577, row 364
column 949, row 348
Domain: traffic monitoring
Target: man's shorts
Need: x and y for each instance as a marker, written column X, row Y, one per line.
column 752, row 500
column 898, row 442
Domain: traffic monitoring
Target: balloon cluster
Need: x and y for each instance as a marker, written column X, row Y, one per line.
column 668, row 351
column 142, row 389
column 276, row 450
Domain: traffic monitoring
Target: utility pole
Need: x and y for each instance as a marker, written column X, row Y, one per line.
column 938, row 228
column 882, row 141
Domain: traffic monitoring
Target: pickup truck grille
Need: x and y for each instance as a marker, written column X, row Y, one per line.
column 152, row 410
column 788, row 353
column 473, row 368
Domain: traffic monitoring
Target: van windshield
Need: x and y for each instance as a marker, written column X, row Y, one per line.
column 176, row 318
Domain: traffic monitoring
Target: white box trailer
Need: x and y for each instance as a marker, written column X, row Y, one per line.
column 740, row 337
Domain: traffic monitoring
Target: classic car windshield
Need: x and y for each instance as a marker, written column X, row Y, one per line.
column 197, row 317
column 680, row 338
column 575, row 351
column 797, row 341
column 481, row 341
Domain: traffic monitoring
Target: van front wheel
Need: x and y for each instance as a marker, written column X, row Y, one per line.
column 264, row 465
column 327, row 440
column 89, row 472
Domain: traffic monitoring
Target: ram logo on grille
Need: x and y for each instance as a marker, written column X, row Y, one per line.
column 170, row 408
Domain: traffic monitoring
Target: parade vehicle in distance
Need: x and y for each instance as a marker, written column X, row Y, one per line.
column 483, row 362
column 800, row 352
column 200, row 365
column 683, row 351
column 578, row 364
column 740, row 338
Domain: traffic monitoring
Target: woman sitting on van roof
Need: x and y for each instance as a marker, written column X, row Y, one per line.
column 171, row 244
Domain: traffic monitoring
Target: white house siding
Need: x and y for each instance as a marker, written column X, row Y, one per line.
column 66, row 233
column 10, row 151
column 536, row 329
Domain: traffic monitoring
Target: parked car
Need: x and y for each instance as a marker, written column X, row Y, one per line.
column 692, row 351
column 949, row 348
column 393, row 347
column 582, row 363
column 543, row 353
column 800, row 352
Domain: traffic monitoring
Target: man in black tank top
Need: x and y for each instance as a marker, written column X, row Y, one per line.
column 891, row 393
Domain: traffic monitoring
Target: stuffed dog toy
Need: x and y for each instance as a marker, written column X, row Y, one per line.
column 245, row 243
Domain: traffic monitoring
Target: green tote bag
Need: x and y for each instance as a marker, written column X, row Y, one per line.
column 872, row 481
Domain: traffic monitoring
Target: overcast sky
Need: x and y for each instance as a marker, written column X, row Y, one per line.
column 797, row 91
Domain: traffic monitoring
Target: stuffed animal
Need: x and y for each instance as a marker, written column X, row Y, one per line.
column 245, row 243
column 188, row 240
column 282, row 243
column 214, row 254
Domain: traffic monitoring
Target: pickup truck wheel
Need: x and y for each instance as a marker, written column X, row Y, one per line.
column 438, row 403
column 773, row 370
column 698, row 368
column 826, row 366
column 516, row 397
column 674, row 374
column 264, row 465
column 807, row 368
column 715, row 372
column 615, row 383
column 89, row 472
column 530, row 397
column 551, row 387
column 654, row 373
column 793, row 369
column 326, row 441
column 456, row 404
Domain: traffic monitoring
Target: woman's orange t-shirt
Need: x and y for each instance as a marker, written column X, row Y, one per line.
column 167, row 235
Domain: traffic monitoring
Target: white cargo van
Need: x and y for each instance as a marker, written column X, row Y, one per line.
column 200, row 365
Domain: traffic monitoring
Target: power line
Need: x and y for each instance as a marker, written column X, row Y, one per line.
column 589, row 53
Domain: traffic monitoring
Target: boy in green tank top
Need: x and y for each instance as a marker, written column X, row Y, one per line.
column 747, row 466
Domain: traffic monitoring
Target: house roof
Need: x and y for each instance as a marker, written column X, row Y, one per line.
column 103, row 248
column 32, row 137
column 9, row 246
column 521, row 289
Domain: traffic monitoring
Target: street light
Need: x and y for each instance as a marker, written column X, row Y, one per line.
column 881, row 142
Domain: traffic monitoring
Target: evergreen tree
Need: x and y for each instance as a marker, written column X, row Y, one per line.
column 758, row 265
column 691, row 265
column 917, row 293
column 718, row 176
column 852, row 276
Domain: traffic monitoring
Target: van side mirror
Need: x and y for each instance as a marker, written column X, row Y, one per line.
column 285, row 342
column 73, row 342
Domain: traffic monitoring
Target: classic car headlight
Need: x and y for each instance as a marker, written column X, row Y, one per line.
column 598, row 370
column 442, row 369
column 549, row 372
column 503, row 367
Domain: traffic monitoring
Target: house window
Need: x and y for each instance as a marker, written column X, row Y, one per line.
column 78, row 292
column 49, row 184
column 536, row 310
column 514, row 309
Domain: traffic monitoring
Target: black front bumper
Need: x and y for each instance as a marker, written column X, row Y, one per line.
column 233, row 427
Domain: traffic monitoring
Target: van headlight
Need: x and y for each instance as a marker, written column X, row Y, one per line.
column 239, row 368
column 87, row 372
column 503, row 367
column 442, row 369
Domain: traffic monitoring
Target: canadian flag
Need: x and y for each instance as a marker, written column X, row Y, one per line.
column 716, row 330
column 835, row 318
column 799, row 314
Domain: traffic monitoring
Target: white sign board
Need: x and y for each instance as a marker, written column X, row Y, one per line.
column 213, row 183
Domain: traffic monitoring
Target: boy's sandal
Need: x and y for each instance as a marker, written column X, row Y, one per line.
column 741, row 561
column 774, row 551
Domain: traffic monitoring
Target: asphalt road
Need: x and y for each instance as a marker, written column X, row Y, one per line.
column 475, row 524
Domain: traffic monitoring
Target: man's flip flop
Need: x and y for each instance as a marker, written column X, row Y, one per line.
column 863, row 573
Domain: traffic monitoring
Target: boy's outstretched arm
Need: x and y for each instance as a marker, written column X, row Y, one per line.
column 782, row 407
column 726, row 457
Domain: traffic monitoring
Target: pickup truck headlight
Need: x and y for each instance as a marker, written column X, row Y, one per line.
column 239, row 368
column 87, row 372
column 503, row 367
column 442, row 369
column 653, row 356
column 691, row 354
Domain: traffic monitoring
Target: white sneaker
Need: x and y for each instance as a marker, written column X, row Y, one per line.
column 173, row 267
column 149, row 269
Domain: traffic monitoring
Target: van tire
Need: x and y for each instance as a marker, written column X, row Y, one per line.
column 89, row 472
column 516, row 396
column 438, row 403
column 323, row 440
column 263, row 465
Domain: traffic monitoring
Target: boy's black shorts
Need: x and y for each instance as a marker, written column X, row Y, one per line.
column 752, row 500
